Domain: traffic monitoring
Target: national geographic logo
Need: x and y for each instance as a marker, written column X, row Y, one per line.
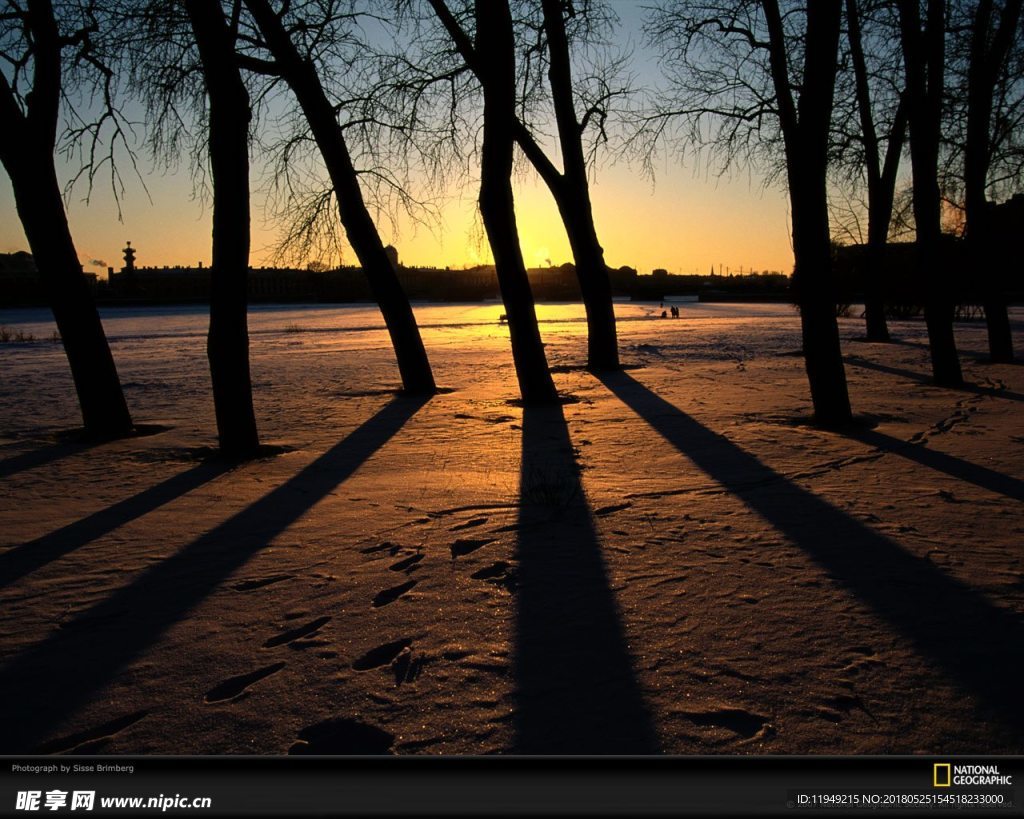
column 946, row 775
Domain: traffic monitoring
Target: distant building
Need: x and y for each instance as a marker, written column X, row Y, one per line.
column 17, row 264
column 1008, row 225
column 392, row 253
column 20, row 282
column 124, row 282
column 129, row 259
column 178, row 284
column 904, row 285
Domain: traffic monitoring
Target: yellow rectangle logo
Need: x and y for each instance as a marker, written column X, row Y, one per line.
column 941, row 775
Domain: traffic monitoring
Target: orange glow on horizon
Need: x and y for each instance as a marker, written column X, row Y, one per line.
column 684, row 224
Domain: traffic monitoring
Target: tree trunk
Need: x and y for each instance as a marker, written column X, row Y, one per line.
column 227, row 346
column 880, row 218
column 301, row 76
column 27, row 142
column 805, row 134
column 813, row 285
column 874, row 293
column 497, row 208
column 997, row 317
column 881, row 192
column 570, row 188
column 881, row 185
column 923, row 55
column 573, row 198
column 595, row 285
column 874, row 299
column 988, row 52
column 41, row 209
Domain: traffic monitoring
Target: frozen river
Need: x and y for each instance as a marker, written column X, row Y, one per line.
column 301, row 353
column 124, row 323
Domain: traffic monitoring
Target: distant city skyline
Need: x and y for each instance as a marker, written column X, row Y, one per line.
column 684, row 225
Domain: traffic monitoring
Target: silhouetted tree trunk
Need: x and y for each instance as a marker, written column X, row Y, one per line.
column 27, row 141
column 494, row 38
column 923, row 56
column 227, row 346
column 574, row 200
column 569, row 187
column 805, row 132
column 301, row 76
column 881, row 180
column 988, row 52
column 592, row 272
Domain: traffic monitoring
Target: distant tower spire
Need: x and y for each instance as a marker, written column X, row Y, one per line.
column 129, row 259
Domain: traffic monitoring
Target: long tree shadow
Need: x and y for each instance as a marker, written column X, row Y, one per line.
column 979, row 353
column 21, row 560
column 576, row 691
column 977, row 645
column 48, row 682
column 958, row 468
column 40, row 457
column 921, row 378
column 71, row 442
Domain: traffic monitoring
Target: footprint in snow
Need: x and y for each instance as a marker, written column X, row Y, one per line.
column 234, row 687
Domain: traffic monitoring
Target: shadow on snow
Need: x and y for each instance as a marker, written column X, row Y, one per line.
column 977, row 645
column 575, row 687
column 49, row 682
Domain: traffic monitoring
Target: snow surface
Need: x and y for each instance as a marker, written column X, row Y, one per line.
column 674, row 561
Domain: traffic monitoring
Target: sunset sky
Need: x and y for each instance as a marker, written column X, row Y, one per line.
column 684, row 224
column 686, row 220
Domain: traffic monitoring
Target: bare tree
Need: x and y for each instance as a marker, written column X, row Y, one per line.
column 228, row 141
column 994, row 30
column 32, row 46
column 300, row 73
column 570, row 187
column 880, row 141
column 805, row 130
column 739, row 94
column 494, row 37
column 924, row 51
column 178, row 60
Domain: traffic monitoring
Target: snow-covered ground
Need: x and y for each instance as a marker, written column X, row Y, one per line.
column 674, row 561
